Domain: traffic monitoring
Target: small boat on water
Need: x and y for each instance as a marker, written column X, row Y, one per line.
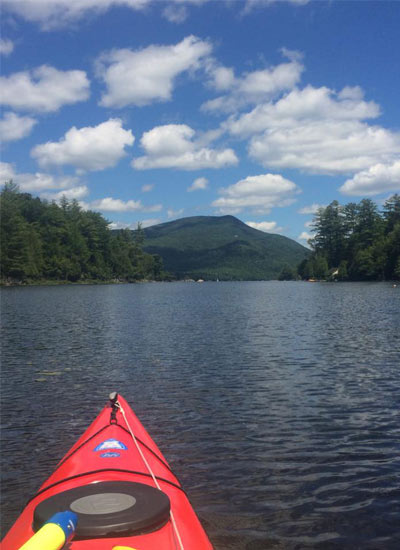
column 113, row 490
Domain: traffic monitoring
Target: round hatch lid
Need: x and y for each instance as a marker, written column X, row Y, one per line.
column 108, row 508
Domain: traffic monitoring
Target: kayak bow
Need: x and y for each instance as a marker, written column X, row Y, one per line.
column 121, row 488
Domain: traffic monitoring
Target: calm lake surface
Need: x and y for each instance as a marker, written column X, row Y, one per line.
column 277, row 404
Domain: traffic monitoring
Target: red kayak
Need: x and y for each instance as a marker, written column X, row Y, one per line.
column 121, row 489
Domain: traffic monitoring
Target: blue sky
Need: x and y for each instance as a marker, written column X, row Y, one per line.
column 155, row 110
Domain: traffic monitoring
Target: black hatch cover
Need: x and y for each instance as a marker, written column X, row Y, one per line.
column 108, row 508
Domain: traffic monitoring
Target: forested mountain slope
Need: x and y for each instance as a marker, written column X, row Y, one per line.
column 221, row 247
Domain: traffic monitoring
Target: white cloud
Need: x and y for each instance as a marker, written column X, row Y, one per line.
column 152, row 208
column 302, row 107
column 14, row 127
column 311, row 209
column 304, row 236
column 325, row 147
column 207, row 137
column 168, row 140
column 379, row 178
column 198, row 184
column 72, row 193
column 317, row 130
column 39, row 181
column 52, row 14
column 149, row 222
column 174, row 146
column 43, row 89
column 252, row 4
column 35, row 182
column 108, row 204
column 6, row 172
column 145, row 76
column 223, row 78
column 88, row 148
column 268, row 81
column 253, row 87
column 267, row 227
column 144, row 223
column 147, row 188
column 122, row 225
column 174, row 213
column 310, row 223
column 258, row 193
column 175, row 14
column 6, row 46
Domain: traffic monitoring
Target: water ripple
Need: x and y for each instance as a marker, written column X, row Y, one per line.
column 277, row 404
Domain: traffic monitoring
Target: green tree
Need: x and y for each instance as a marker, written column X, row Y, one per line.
column 62, row 242
column 397, row 270
column 364, row 243
column 158, row 270
column 391, row 212
column 350, row 216
column 287, row 274
column 320, row 267
column 392, row 250
column 329, row 233
column 21, row 256
column 365, row 266
column 302, row 267
column 342, row 271
column 139, row 235
column 369, row 224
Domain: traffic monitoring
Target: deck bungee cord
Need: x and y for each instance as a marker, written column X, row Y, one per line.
column 173, row 521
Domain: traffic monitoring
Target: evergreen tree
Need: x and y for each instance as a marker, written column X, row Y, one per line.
column 392, row 250
column 320, row 267
column 342, row 271
column 391, row 212
column 62, row 242
column 369, row 224
column 356, row 238
column 19, row 257
column 287, row 274
column 397, row 270
column 329, row 229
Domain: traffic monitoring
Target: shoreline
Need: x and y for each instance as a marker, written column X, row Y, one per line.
column 15, row 284
column 44, row 282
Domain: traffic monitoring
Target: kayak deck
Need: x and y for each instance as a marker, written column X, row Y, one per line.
column 122, row 488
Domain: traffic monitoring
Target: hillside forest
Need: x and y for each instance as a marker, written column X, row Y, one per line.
column 355, row 242
column 42, row 241
column 221, row 248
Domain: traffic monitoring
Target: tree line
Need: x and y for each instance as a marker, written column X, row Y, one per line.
column 46, row 241
column 355, row 242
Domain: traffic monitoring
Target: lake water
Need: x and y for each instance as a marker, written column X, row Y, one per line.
column 276, row 403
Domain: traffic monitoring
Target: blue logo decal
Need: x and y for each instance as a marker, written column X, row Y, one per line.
column 111, row 444
column 110, row 455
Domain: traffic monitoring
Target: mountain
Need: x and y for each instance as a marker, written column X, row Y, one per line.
column 221, row 247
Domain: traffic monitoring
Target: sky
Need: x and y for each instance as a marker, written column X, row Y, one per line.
column 149, row 111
